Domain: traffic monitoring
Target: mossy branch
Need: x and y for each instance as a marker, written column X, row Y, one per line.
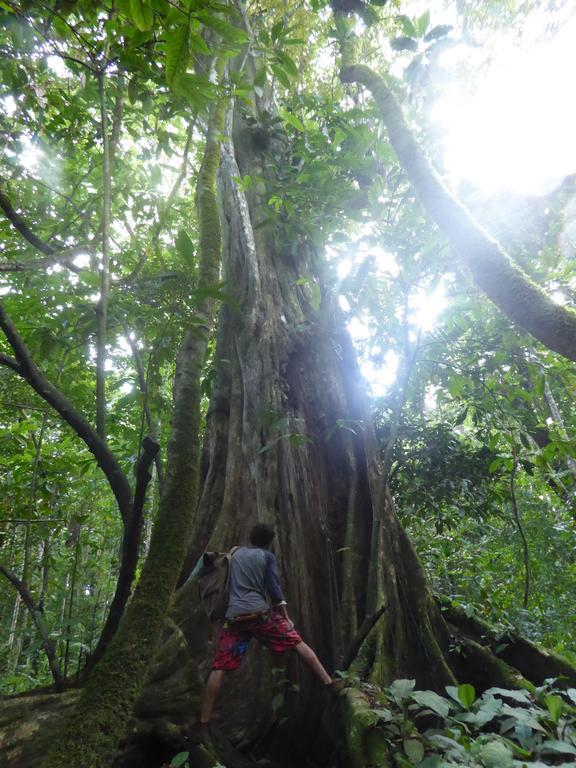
column 513, row 292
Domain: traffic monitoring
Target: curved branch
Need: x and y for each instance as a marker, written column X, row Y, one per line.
column 20, row 225
column 130, row 550
column 38, row 618
column 26, row 368
column 57, row 257
column 524, row 302
column 9, row 362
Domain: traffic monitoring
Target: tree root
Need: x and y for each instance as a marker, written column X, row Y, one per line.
column 515, row 661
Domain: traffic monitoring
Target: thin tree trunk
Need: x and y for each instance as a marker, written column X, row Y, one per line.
column 72, row 595
column 557, row 416
column 520, row 527
column 102, row 308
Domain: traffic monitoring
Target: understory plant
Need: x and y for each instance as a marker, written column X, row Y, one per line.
column 499, row 729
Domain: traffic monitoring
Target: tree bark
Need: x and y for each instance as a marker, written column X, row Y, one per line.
column 276, row 451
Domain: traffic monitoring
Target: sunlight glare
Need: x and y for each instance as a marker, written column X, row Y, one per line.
column 57, row 66
column 385, row 262
column 430, row 399
column 357, row 329
column 343, row 268
column 344, row 303
column 426, row 308
column 8, row 104
column 381, row 377
column 30, row 156
column 82, row 261
column 517, row 130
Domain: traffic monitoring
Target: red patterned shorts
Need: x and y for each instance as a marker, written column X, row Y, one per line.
column 270, row 627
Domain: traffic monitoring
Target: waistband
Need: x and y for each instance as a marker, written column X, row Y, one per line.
column 244, row 617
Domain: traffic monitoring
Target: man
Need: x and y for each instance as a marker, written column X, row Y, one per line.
column 253, row 576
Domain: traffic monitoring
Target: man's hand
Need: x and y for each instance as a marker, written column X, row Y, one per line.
column 284, row 611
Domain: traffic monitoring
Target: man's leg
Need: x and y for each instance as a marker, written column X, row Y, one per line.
column 211, row 691
column 231, row 646
column 308, row 655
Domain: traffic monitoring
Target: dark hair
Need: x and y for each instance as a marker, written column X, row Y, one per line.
column 261, row 535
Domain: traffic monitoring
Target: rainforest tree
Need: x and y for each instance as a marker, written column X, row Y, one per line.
column 187, row 162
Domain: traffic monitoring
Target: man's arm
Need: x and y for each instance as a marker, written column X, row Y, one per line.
column 272, row 584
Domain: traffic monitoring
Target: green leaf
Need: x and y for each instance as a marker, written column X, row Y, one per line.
column 555, row 706
column 433, row 761
column 281, row 75
column 404, row 44
column 423, row 23
column 432, row 701
column 488, row 710
column 466, row 695
column 260, row 76
column 179, row 759
column 185, row 247
column 520, row 695
column 401, row 689
column 197, row 43
column 276, row 30
column 196, row 89
column 292, row 120
column 141, row 14
column 407, row 26
column 177, row 53
column 226, row 30
column 553, row 745
column 437, row 32
column 384, row 714
column 414, row 750
column 287, row 63
column 494, row 465
column 133, row 90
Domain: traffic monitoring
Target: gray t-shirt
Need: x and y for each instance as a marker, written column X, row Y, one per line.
column 253, row 574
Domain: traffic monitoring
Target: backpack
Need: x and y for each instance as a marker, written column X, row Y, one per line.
column 213, row 583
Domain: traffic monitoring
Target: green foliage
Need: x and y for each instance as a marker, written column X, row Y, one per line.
column 468, row 414
column 499, row 728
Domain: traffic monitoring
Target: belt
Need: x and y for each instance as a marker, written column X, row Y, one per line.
column 257, row 616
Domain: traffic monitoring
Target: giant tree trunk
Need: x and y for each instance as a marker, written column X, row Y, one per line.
column 289, row 441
